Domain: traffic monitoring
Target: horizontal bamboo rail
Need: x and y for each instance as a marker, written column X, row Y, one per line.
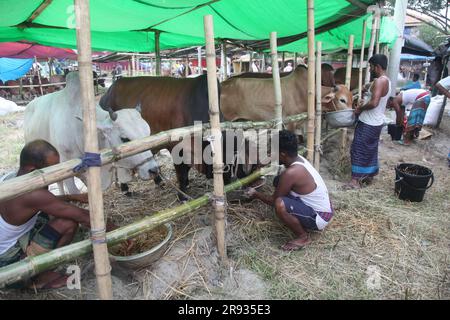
column 40, row 178
column 33, row 85
column 31, row 266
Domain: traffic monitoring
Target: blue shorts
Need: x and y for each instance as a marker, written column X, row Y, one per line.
column 306, row 215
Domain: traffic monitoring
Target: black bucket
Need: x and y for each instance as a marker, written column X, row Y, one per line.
column 395, row 131
column 411, row 181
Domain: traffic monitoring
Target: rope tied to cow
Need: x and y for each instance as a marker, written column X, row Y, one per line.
column 318, row 148
column 172, row 185
column 89, row 159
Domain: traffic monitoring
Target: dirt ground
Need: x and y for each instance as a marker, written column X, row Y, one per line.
column 376, row 247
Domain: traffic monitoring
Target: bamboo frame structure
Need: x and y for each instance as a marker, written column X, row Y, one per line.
column 31, row 266
column 276, row 81
column 360, row 76
column 133, row 65
column 157, row 53
column 216, row 136
column 371, row 44
column 199, row 60
column 311, row 83
column 39, row 76
column 318, row 129
column 40, row 178
column 101, row 256
column 348, row 78
column 223, row 60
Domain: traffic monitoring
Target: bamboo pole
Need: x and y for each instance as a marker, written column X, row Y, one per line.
column 133, row 66
column 318, row 129
column 158, row 53
column 40, row 178
column 39, row 76
column 363, row 43
column 371, row 45
column 263, row 62
column 311, row 83
column 101, row 257
column 377, row 36
column 186, row 69
column 32, row 266
column 276, row 81
column 283, row 59
column 216, row 136
column 348, row 79
column 295, row 60
column 199, row 60
column 223, row 61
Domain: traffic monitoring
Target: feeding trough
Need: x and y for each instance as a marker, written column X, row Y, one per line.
column 341, row 118
column 144, row 250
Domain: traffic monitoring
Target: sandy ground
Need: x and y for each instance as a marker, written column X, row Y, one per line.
column 373, row 233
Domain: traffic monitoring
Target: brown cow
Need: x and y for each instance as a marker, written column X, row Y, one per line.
column 166, row 103
column 254, row 98
column 339, row 77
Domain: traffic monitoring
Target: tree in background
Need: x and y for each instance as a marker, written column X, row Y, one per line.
column 431, row 35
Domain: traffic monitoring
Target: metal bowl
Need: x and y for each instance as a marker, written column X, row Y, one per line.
column 341, row 118
column 145, row 258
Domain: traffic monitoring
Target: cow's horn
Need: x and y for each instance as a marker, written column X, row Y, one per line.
column 139, row 108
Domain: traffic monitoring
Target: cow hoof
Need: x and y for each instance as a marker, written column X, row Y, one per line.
column 182, row 198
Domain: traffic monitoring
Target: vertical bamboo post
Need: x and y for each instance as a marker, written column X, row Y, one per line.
column 223, row 61
column 377, row 37
column 276, row 81
column 133, row 65
column 363, row 43
column 39, row 76
column 371, row 45
column 318, row 119
column 158, row 53
column 186, row 70
column 348, row 79
column 216, row 143
column 283, row 60
column 101, row 257
column 250, row 61
column 199, row 60
column 295, row 59
column 311, row 83
column 263, row 62
column 21, row 88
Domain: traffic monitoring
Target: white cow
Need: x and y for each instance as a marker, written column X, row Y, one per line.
column 57, row 118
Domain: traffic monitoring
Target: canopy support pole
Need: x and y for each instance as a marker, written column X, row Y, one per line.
column 199, row 60
column 216, row 138
column 158, row 53
column 39, row 76
column 276, row 81
column 101, row 256
column 394, row 59
column 348, row 79
column 311, row 83
column 376, row 12
column 133, row 65
column 223, row 61
column 318, row 129
column 363, row 43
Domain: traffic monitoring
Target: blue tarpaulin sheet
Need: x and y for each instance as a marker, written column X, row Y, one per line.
column 12, row 69
column 407, row 56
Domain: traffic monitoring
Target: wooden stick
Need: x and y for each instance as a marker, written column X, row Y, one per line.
column 318, row 120
column 223, row 61
column 311, row 82
column 363, row 43
column 32, row 266
column 199, row 60
column 371, row 45
column 158, row 53
column 276, row 80
column 40, row 178
column 348, row 79
column 39, row 76
column 216, row 136
column 101, row 256
column 133, row 66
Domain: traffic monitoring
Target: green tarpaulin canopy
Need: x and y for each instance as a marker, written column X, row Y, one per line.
column 128, row 25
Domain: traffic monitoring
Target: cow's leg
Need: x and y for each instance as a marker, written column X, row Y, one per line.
column 182, row 171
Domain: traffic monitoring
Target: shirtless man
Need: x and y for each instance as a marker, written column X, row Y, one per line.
column 38, row 221
column 301, row 198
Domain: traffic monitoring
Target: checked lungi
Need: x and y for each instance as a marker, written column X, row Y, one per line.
column 364, row 150
column 416, row 116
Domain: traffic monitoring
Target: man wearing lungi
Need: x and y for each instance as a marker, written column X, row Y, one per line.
column 410, row 108
column 443, row 87
column 301, row 197
column 364, row 149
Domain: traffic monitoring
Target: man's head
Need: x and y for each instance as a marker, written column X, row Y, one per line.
column 416, row 77
column 378, row 65
column 287, row 146
column 38, row 154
